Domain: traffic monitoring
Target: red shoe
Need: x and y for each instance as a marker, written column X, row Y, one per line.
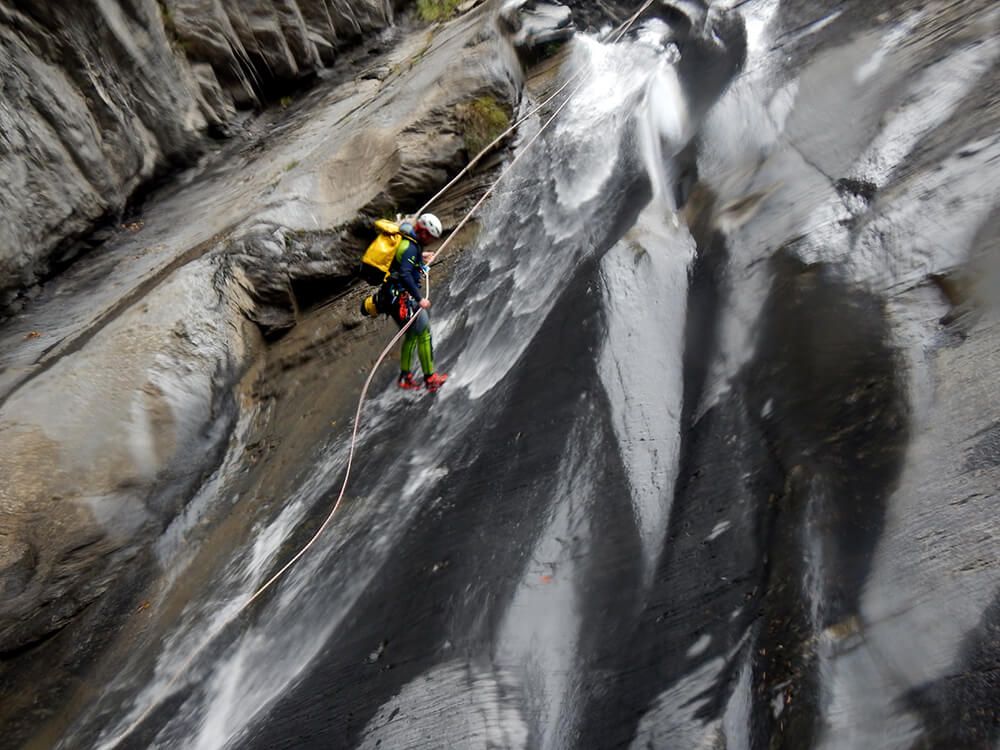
column 407, row 381
column 434, row 381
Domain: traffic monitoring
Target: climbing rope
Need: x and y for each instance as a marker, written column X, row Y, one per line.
column 618, row 33
column 622, row 29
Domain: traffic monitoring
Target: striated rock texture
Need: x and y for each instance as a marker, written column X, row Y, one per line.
column 117, row 381
column 249, row 43
column 100, row 96
column 97, row 454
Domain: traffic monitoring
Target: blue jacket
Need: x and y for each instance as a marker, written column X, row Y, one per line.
column 405, row 271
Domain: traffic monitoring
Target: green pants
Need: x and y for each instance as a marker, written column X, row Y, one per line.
column 418, row 338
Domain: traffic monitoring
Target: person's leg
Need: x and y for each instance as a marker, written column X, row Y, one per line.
column 426, row 351
column 396, row 306
column 406, row 353
column 425, row 348
column 421, row 333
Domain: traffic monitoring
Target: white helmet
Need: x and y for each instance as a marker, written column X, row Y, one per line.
column 431, row 223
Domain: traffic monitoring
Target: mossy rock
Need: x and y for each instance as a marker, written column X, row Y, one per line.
column 433, row 11
column 482, row 120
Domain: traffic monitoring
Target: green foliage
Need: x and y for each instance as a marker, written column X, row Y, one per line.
column 482, row 120
column 552, row 47
column 433, row 11
column 167, row 17
column 170, row 28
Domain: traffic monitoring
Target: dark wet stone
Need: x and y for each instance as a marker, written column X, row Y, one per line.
column 985, row 453
column 535, row 28
column 863, row 189
column 17, row 566
column 832, row 402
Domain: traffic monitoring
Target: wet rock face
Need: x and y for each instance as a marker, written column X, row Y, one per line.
column 98, row 98
column 869, row 617
column 119, row 398
column 594, row 16
column 95, row 100
column 829, row 400
column 535, row 27
column 752, row 505
column 96, row 456
column 248, row 44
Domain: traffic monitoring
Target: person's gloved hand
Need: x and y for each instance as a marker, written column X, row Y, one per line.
column 425, row 303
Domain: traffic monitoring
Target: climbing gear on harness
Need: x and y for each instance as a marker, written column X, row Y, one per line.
column 378, row 258
column 403, row 308
column 369, row 306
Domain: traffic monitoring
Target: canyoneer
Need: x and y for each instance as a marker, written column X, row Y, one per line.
column 395, row 260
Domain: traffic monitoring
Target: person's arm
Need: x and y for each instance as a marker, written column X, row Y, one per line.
column 409, row 271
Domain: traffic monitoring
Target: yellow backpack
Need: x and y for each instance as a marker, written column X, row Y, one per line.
column 377, row 260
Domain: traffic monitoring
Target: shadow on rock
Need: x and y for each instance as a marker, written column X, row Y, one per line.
column 959, row 709
column 826, row 385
